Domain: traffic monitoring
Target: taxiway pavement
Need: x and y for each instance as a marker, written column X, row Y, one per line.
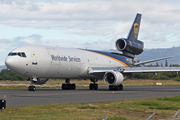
column 23, row 97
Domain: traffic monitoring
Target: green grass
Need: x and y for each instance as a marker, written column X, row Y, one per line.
column 13, row 87
column 117, row 118
column 173, row 99
column 25, row 87
column 79, row 83
column 86, row 107
column 158, row 105
column 163, row 107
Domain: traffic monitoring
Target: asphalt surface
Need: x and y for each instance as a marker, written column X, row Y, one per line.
column 23, row 97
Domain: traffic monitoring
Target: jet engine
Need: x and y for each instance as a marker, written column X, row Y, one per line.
column 113, row 78
column 39, row 81
column 127, row 46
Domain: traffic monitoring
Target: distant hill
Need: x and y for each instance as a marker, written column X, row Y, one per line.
column 161, row 52
column 149, row 54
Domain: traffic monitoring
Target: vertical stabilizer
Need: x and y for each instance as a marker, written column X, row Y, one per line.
column 133, row 33
column 131, row 46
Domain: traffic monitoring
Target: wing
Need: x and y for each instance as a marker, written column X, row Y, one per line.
column 93, row 70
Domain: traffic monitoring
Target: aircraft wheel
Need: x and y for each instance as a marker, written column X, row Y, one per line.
column 30, row 88
column 73, row 86
column 120, row 87
column 113, row 87
column 63, row 86
column 68, row 86
column 91, row 86
column 110, row 87
column 33, row 88
column 95, row 86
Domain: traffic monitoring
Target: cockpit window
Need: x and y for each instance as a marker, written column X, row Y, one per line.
column 21, row 54
column 13, row 54
column 9, row 54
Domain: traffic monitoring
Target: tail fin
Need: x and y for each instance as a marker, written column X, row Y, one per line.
column 133, row 33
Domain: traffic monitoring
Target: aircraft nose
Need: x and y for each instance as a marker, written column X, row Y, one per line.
column 9, row 62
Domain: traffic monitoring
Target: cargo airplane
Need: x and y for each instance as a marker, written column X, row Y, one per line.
column 39, row 63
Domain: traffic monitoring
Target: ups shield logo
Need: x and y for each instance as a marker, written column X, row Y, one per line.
column 136, row 28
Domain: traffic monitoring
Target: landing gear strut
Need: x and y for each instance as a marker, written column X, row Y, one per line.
column 93, row 86
column 31, row 87
column 68, row 86
column 113, row 87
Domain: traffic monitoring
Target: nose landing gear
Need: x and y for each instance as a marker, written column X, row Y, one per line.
column 31, row 87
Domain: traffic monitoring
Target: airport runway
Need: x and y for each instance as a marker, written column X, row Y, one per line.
column 23, row 97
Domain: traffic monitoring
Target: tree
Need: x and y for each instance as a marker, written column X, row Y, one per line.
column 9, row 75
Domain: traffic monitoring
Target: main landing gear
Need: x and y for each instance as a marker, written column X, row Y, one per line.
column 93, row 86
column 113, row 87
column 68, row 86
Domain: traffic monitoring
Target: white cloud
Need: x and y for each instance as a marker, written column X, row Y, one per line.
column 34, row 39
column 91, row 24
column 5, row 41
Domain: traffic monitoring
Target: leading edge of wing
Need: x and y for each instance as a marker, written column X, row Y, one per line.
column 93, row 70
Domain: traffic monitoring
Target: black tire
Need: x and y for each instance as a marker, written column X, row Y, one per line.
column 33, row 88
column 63, row 86
column 73, row 86
column 120, row 87
column 68, row 87
column 91, row 86
column 95, row 86
column 113, row 87
column 110, row 87
column 30, row 88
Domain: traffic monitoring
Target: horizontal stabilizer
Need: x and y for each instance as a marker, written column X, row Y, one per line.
column 149, row 61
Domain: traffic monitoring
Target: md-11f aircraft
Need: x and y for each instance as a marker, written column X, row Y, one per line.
column 39, row 63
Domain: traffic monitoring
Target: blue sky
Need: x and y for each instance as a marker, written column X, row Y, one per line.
column 92, row 24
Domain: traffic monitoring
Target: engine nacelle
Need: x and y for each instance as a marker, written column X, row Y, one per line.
column 113, row 78
column 133, row 47
column 39, row 81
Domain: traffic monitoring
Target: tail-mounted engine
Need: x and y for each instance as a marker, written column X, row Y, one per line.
column 113, row 78
column 129, row 48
